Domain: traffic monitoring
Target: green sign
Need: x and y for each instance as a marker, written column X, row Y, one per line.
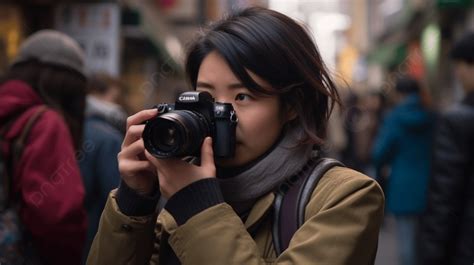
column 454, row 3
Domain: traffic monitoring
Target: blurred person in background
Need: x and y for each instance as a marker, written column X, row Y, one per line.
column 362, row 119
column 351, row 115
column 47, row 79
column 104, row 99
column 103, row 131
column 404, row 144
column 374, row 104
column 448, row 225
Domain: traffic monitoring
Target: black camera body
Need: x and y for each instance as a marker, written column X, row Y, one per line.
column 180, row 128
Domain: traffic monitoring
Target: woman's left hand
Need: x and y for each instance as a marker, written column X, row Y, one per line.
column 175, row 174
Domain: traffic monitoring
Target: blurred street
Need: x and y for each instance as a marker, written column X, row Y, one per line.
column 387, row 251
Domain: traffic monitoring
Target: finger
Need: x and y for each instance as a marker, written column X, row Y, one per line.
column 152, row 159
column 136, row 166
column 133, row 150
column 134, row 133
column 207, row 154
column 141, row 116
column 168, row 162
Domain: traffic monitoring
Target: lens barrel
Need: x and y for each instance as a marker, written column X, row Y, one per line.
column 176, row 133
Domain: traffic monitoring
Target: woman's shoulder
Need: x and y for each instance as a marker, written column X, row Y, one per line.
column 50, row 122
column 339, row 175
column 51, row 130
column 340, row 184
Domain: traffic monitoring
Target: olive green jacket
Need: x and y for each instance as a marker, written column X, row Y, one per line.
column 342, row 224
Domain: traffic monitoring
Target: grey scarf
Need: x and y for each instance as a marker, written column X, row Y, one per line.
column 285, row 160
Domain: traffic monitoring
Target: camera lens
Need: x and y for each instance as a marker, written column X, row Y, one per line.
column 165, row 135
column 176, row 133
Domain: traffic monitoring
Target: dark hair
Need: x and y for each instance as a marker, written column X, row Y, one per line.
column 463, row 50
column 279, row 50
column 60, row 88
column 407, row 85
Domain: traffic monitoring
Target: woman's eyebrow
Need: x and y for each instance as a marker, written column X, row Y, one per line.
column 204, row 85
column 209, row 86
column 236, row 85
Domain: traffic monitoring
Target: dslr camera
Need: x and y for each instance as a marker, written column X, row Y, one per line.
column 179, row 129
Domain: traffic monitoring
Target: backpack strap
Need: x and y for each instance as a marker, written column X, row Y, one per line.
column 19, row 144
column 292, row 198
column 16, row 150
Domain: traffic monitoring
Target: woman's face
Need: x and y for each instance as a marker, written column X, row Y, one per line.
column 260, row 117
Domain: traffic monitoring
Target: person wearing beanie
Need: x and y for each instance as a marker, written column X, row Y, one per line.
column 403, row 144
column 42, row 98
column 447, row 229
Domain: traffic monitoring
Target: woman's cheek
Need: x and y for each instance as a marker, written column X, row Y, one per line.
column 241, row 122
column 239, row 132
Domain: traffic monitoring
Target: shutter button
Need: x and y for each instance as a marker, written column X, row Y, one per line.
column 127, row 228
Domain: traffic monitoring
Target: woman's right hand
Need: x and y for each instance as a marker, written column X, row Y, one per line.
column 135, row 169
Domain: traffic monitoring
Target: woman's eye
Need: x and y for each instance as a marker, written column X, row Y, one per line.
column 242, row 97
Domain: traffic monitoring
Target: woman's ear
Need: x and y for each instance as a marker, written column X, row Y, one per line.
column 290, row 114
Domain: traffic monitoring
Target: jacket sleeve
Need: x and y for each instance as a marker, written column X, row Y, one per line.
column 343, row 231
column 385, row 142
column 122, row 239
column 450, row 163
column 52, row 192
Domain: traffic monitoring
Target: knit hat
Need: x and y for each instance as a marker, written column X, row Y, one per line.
column 52, row 47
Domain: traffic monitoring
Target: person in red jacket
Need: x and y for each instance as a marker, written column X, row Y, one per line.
column 46, row 179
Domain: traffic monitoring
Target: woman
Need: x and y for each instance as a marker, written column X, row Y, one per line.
column 46, row 79
column 266, row 65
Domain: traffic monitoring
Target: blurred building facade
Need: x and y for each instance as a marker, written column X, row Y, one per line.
column 414, row 37
column 140, row 41
column 366, row 42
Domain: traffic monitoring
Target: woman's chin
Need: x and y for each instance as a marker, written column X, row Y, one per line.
column 228, row 162
column 237, row 160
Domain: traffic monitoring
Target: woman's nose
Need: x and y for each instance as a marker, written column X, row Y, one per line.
column 223, row 99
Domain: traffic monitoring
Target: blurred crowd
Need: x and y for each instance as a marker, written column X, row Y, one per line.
column 61, row 130
column 422, row 158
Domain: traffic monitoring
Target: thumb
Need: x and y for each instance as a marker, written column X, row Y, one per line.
column 207, row 154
